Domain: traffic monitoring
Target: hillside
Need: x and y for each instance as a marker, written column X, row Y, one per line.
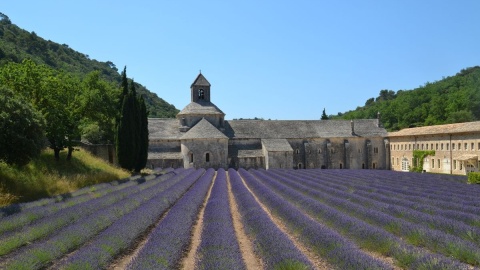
column 17, row 44
column 453, row 99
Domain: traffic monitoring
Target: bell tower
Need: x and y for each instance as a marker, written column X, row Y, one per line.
column 200, row 89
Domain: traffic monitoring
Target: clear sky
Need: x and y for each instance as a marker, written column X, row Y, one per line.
column 272, row 59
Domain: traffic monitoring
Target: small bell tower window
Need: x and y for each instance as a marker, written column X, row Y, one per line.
column 201, row 94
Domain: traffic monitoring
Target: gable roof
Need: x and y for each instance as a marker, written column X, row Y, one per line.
column 200, row 108
column 200, row 81
column 291, row 129
column 438, row 129
column 203, row 130
column 277, row 145
column 163, row 129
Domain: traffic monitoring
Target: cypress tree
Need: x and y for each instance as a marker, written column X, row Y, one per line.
column 143, row 134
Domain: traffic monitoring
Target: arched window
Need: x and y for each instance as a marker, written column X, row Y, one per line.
column 341, row 166
column 201, row 94
column 207, row 157
column 363, row 165
column 297, row 151
column 299, row 165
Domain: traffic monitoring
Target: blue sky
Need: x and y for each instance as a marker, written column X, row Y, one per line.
column 272, row 59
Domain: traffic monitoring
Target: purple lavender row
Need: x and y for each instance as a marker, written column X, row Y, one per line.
column 412, row 182
column 99, row 252
column 167, row 243
column 426, row 221
column 30, row 215
column 366, row 235
column 16, row 208
column 421, row 183
column 33, row 214
column 273, row 246
column 49, row 224
column 41, row 253
column 470, row 216
column 219, row 248
column 326, row 242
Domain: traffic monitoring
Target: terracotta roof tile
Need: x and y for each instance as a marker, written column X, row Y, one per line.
column 438, row 129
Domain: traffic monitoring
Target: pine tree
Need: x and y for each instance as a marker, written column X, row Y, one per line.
column 324, row 115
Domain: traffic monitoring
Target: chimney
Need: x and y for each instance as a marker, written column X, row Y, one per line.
column 379, row 123
column 352, row 126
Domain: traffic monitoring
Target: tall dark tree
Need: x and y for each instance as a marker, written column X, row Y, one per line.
column 132, row 130
column 324, row 115
column 143, row 135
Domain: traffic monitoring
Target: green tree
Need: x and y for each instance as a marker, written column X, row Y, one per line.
column 324, row 115
column 21, row 129
column 132, row 131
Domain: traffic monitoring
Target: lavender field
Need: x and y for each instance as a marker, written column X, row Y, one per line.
column 256, row 219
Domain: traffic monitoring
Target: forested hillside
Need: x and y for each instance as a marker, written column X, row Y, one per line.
column 17, row 44
column 452, row 99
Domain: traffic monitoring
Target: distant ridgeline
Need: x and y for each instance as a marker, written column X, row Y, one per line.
column 454, row 99
column 17, row 44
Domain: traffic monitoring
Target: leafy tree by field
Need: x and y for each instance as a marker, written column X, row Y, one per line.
column 21, row 126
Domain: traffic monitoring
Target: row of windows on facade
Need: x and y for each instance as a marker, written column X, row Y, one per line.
column 332, row 151
column 300, row 165
column 437, row 145
column 405, row 163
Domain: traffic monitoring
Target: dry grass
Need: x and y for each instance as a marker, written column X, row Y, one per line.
column 44, row 177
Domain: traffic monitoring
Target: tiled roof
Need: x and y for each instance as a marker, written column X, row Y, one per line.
column 203, row 130
column 201, row 80
column 290, row 129
column 276, row 145
column 438, row 129
column 163, row 128
column 274, row 129
column 201, row 108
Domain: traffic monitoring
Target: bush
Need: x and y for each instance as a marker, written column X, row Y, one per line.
column 21, row 129
column 473, row 178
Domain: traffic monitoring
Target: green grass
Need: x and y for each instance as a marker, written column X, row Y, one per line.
column 45, row 177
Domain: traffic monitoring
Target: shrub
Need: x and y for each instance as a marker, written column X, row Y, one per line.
column 474, row 178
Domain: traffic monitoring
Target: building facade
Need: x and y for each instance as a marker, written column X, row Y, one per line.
column 201, row 137
column 455, row 148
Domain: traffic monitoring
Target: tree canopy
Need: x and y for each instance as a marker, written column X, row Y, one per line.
column 22, row 135
column 451, row 100
column 17, row 45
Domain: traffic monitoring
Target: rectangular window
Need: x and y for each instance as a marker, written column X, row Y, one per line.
column 433, row 163
column 472, row 146
column 436, row 146
column 454, row 164
column 426, row 146
column 431, row 146
column 393, row 161
column 375, row 150
column 409, row 147
column 441, row 146
column 448, row 145
column 459, row 146
column 453, row 146
column 465, row 145
column 461, row 166
column 422, row 146
column 438, row 163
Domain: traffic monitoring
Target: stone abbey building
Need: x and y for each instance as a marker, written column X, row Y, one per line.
column 201, row 137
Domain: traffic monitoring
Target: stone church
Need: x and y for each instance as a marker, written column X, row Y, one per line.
column 201, row 137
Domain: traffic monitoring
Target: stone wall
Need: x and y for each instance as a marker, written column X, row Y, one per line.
column 205, row 153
